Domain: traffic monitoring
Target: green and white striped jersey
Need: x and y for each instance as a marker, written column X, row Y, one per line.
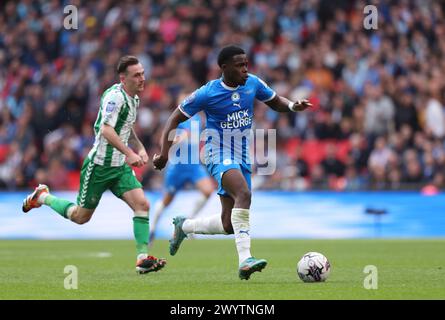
column 118, row 110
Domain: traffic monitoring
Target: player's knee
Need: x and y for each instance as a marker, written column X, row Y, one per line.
column 243, row 198
column 81, row 219
column 143, row 205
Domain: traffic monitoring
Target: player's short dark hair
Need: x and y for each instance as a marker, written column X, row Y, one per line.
column 227, row 53
column 126, row 61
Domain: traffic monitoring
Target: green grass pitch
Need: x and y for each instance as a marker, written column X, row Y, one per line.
column 207, row 269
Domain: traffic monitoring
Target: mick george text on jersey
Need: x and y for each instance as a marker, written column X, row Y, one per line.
column 237, row 119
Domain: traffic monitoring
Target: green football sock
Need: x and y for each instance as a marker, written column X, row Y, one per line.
column 59, row 205
column 141, row 231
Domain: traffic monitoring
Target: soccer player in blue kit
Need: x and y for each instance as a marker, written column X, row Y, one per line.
column 228, row 104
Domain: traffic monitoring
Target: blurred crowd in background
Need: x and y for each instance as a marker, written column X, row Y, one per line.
column 378, row 120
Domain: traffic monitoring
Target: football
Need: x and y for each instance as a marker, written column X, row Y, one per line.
column 313, row 267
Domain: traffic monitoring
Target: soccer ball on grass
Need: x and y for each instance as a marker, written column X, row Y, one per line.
column 313, row 267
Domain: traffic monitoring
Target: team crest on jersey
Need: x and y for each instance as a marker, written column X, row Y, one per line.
column 110, row 106
column 235, row 97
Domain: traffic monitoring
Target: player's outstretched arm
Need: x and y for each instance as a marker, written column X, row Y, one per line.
column 112, row 137
column 281, row 104
column 168, row 134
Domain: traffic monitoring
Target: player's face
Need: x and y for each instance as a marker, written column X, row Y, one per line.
column 236, row 70
column 134, row 79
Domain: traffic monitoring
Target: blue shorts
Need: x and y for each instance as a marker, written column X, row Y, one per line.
column 177, row 175
column 217, row 171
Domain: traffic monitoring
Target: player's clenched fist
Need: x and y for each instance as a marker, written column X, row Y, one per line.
column 144, row 156
column 159, row 161
column 135, row 160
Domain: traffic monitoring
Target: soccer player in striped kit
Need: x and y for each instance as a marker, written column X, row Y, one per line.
column 108, row 164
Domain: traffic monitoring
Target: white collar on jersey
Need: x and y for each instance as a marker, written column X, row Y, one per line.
column 136, row 97
column 225, row 86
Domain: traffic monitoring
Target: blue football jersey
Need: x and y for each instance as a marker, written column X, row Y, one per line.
column 229, row 113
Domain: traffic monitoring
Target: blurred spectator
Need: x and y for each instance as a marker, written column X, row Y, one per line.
column 301, row 165
column 331, row 165
column 358, row 152
column 353, row 181
column 405, row 112
column 10, row 165
column 435, row 115
column 378, row 161
column 379, row 114
column 318, row 179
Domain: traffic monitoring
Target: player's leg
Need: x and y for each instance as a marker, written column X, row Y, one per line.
column 174, row 179
column 129, row 189
column 205, row 187
column 89, row 195
column 136, row 200
column 80, row 215
column 204, row 184
column 159, row 208
column 65, row 208
column 42, row 196
column 183, row 227
column 198, row 176
column 206, row 225
column 227, row 204
column 237, row 184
